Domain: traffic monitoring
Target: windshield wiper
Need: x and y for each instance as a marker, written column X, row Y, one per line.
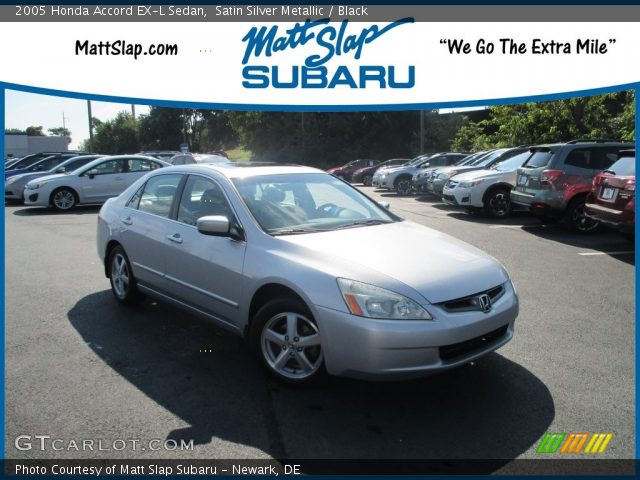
column 295, row 231
column 359, row 223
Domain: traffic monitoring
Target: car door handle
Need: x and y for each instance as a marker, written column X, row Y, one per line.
column 127, row 221
column 175, row 238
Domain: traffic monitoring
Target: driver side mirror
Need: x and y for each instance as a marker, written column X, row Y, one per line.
column 384, row 205
column 61, row 170
column 219, row 226
column 92, row 173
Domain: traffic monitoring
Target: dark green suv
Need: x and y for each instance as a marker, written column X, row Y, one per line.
column 554, row 182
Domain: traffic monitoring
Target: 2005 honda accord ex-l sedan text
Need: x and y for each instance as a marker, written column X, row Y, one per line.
column 314, row 274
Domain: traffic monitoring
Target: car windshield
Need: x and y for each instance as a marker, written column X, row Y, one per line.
column 210, row 159
column 625, row 167
column 512, row 163
column 469, row 159
column 486, row 160
column 289, row 204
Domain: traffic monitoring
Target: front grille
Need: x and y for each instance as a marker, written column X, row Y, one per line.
column 470, row 303
column 457, row 350
column 449, row 198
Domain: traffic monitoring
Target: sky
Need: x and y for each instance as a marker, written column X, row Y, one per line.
column 23, row 109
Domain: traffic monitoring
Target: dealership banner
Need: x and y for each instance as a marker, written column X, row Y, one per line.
column 327, row 57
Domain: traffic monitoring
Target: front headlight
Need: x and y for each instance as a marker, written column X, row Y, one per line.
column 366, row 300
column 470, row 183
column 35, row 186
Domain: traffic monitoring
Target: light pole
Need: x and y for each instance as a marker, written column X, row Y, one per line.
column 90, row 126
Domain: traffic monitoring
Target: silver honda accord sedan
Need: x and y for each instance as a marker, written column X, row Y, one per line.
column 315, row 275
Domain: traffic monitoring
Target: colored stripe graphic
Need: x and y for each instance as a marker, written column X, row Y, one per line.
column 574, row 443
column 598, row 443
column 550, row 442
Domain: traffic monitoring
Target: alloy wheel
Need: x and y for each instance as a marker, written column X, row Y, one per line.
column 64, row 200
column 120, row 277
column 581, row 222
column 290, row 344
column 403, row 187
column 500, row 205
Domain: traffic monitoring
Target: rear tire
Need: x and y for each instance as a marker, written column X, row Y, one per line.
column 123, row 283
column 577, row 219
column 285, row 337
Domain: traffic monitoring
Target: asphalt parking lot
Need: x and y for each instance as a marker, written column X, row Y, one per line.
column 79, row 366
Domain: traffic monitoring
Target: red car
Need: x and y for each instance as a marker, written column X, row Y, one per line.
column 346, row 171
column 612, row 198
column 365, row 175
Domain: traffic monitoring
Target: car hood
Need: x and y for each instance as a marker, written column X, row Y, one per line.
column 433, row 264
column 29, row 176
column 477, row 174
column 52, row 177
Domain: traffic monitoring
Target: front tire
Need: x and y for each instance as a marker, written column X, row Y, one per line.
column 498, row 204
column 63, row 199
column 287, row 341
column 123, row 283
column 403, row 186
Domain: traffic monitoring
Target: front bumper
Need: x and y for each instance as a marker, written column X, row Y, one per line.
column 12, row 194
column 460, row 197
column 392, row 349
column 435, row 186
column 35, row 198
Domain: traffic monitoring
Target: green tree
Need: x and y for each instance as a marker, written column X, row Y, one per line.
column 161, row 129
column 35, row 131
column 59, row 132
column 14, row 131
column 601, row 116
column 116, row 136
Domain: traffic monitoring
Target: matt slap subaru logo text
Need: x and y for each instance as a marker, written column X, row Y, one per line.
column 327, row 41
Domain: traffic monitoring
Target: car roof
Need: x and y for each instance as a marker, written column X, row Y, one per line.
column 233, row 170
column 117, row 157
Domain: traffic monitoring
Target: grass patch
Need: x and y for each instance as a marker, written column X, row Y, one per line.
column 239, row 154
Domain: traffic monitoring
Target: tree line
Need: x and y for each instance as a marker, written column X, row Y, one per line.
column 331, row 138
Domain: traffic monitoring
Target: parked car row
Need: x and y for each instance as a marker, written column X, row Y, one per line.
column 584, row 182
column 63, row 180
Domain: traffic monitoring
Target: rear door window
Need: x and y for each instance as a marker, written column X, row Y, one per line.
column 157, row 195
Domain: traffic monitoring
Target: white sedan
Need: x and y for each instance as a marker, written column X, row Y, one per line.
column 93, row 183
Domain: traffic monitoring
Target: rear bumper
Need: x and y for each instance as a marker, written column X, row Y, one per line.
column 621, row 219
column 547, row 203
